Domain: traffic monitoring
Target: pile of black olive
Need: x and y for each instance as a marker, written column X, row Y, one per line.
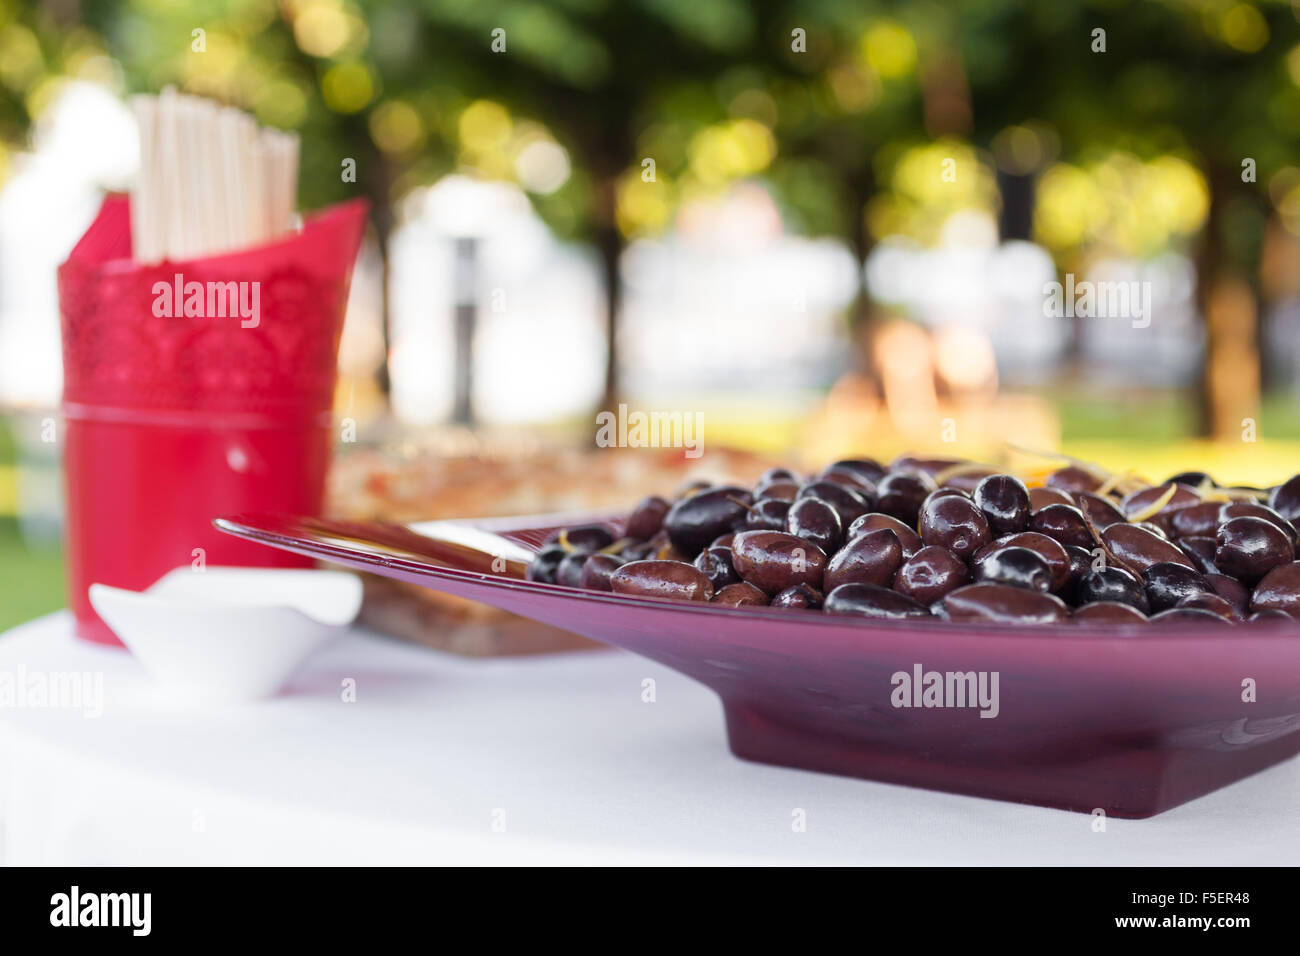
column 927, row 538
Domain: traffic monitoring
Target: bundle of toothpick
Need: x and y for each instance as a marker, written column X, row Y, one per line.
column 210, row 179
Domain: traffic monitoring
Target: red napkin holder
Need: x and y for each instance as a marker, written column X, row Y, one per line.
column 186, row 397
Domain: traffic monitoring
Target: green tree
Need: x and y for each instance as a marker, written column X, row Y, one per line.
column 1214, row 82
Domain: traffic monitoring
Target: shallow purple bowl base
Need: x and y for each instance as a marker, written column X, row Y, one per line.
column 1129, row 775
column 1129, row 722
column 1126, row 782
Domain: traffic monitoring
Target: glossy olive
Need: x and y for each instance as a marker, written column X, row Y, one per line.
column 695, row 521
column 1250, row 509
column 1063, row 524
column 869, row 600
column 1141, row 500
column 1137, row 548
column 871, row 558
column 931, row 573
column 900, row 494
column 1053, row 552
column 1004, row 499
column 663, row 549
column 868, row 469
column 1167, row 584
column 1270, row 614
column 1285, row 499
column 1248, row 548
column 1186, row 615
column 1113, row 584
column 945, row 492
column 1018, row 567
column 1279, row 590
column 907, row 536
column 767, row 514
column 1207, row 601
column 1108, row 612
column 968, row 481
column 774, row 560
column 542, row 567
column 954, row 523
column 597, row 570
column 780, row 490
column 849, row 480
column 1193, row 479
column 1003, row 604
column 740, row 594
column 1072, row 478
column 569, row 571
column 849, row 503
column 814, row 520
column 661, row 579
column 1042, row 497
column 716, row 564
column 1159, row 530
column 647, row 518
column 1160, row 523
column 1081, row 562
column 799, row 597
column 1196, row 521
column 638, row 551
column 584, row 538
column 1231, row 590
column 777, row 474
column 1102, row 511
column 924, row 467
column 1200, row 550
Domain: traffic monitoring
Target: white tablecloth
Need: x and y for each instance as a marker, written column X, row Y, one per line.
column 541, row 760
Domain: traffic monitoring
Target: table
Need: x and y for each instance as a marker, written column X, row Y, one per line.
column 526, row 761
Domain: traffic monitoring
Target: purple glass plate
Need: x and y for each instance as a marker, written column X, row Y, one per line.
column 1127, row 720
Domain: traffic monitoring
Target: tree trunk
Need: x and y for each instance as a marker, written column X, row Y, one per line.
column 610, row 244
column 1229, row 389
column 862, row 315
column 861, row 241
column 377, row 184
column 382, row 379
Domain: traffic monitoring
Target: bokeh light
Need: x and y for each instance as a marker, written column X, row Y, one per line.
column 348, row 87
column 1121, row 202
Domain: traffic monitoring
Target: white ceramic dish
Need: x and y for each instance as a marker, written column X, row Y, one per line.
column 229, row 633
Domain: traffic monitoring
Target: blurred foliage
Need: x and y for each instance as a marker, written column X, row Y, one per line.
column 1120, row 203
column 831, row 102
column 1121, row 126
column 918, row 200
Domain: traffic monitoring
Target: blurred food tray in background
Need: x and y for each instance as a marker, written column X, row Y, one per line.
column 457, row 474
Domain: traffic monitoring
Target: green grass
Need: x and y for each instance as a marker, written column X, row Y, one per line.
column 31, row 580
column 1144, row 417
column 1279, row 416
column 1139, row 417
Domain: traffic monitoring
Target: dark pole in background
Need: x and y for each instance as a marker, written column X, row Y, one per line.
column 466, row 294
column 1017, row 217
